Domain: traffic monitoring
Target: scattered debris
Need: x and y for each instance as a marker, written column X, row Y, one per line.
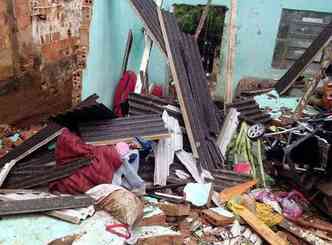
column 177, row 169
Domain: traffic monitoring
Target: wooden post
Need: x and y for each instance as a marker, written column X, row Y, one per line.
column 230, row 53
column 203, row 19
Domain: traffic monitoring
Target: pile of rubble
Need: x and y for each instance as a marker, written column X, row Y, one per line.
column 179, row 169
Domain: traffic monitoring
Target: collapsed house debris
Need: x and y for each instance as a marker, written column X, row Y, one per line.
column 149, row 127
column 177, row 169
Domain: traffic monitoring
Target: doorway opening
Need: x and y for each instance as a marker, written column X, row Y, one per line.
column 210, row 38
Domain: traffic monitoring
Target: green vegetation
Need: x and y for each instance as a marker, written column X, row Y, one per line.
column 188, row 17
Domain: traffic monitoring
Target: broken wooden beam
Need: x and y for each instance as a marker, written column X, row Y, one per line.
column 259, row 226
column 129, row 45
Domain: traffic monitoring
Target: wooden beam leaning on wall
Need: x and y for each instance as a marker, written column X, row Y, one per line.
column 203, row 19
column 231, row 53
column 129, row 45
column 297, row 69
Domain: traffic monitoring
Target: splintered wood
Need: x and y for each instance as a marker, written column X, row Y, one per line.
column 258, row 225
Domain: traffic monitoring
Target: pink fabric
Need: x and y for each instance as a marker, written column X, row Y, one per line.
column 104, row 162
column 122, row 148
column 242, row 168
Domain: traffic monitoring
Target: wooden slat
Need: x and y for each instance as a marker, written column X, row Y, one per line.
column 258, row 225
column 44, row 204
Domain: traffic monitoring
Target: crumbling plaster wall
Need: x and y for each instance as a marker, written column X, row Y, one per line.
column 45, row 45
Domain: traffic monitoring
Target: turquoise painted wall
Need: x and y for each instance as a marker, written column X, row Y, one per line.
column 99, row 63
column 257, row 24
column 112, row 19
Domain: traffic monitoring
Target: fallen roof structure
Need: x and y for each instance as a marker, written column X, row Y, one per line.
column 43, row 137
column 89, row 109
column 106, row 132
column 195, row 102
column 84, row 111
column 143, row 105
column 38, row 172
column 147, row 12
column 250, row 111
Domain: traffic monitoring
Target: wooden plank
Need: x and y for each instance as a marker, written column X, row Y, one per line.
column 229, row 193
column 216, row 219
column 44, row 204
column 231, row 53
column 129, row 45
column 175, row 210
column 203, row 19
column 258, row 225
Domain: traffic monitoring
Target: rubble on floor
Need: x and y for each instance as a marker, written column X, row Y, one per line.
column 179, row 169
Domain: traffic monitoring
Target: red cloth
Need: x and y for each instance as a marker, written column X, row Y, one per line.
column 105, row 161
column 156, row 90
column 126, row 86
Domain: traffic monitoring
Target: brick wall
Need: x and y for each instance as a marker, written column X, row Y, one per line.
column 44, row 44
